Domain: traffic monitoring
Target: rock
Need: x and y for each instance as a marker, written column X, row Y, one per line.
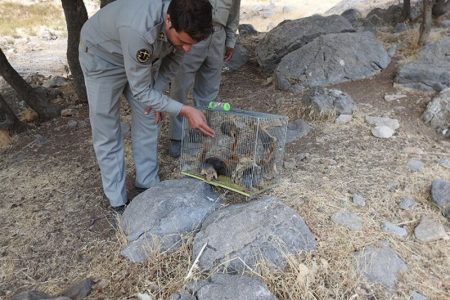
column 390, row 98
column 394, row 229
column 353, row 16
column 407, row 204
column 437, row 113
column 383, row 132
column 392, row 50
column 358, row 200
column 296, row 130
column 225, row 286
column 163, row 213
column 331, row 59
column 293, row 34
column 69, row 112
column 55, row 81
column 79, row 290
column 383, row 121
column 324, row 101
column 415, row 165
column 343, row 119
column 30, row 295
column 240, row 235
column 40, row 140
column 247, row 29
column 430, row 230
column 445, row 163
column 348, row 219
column 72, row 124
column 290, row 164
column 401, row 27
column 430, row 71
column 417, row 296
column 183, row 295
column 380, row 264
column 390, row 16
column 440, row 194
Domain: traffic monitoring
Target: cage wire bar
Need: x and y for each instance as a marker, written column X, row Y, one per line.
column 245, row 156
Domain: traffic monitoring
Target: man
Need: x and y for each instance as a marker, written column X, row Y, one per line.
column 120, row 47
column 202, row 66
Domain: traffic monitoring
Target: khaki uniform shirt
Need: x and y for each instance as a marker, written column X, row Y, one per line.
column 131, row 35
column 226, row 13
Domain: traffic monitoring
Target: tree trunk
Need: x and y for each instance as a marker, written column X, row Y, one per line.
column 425, row 27
column 104, row 2
column 406, row 10
column 8, row 119
column 39, row 104
column 76, row 14
column 441, row 7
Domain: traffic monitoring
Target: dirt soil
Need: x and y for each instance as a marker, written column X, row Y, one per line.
column 58, row 229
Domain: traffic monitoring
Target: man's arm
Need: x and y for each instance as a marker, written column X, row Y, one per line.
column 137, row 55
column 232, row 24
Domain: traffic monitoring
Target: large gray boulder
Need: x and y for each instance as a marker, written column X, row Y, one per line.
column 330, row 59
column 241, row 235
column 437, row 113
column 430, row 71
column 162, row 214
column 226, row 286
column 294, row 34
column 380, row 264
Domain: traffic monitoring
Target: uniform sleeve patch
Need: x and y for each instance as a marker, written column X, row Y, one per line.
column 143, row 56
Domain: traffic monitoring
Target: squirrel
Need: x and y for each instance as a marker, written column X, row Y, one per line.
column 212, row 167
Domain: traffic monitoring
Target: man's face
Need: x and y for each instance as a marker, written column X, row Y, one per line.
column 180, row 40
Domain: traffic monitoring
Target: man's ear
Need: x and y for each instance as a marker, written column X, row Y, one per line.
column 168, row 21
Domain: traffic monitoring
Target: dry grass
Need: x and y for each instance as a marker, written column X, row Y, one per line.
column 18, row 19
column 5, row 138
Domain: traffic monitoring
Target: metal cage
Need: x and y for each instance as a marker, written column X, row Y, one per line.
column 246, row 154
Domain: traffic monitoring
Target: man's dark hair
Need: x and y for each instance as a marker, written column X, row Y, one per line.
column 191, row 16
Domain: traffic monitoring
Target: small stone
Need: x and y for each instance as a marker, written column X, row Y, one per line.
column 343, row 119
column 445, row 163
column 72, row 124
column 383, row 132
column 359, row 200
column 407, row 204
column 69, row 112
column 394, row 229
column 380, row 264
column 290, row 164
column 417, row 296
column 383, row 121
column 440, row 194
column 391, row 51
column 40, row 140
column 415, row 165
column 348, row 219
column 401, row 27
column 390, row 98
column 430, row 230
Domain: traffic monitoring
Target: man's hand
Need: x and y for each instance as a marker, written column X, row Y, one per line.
column 196, row 120
column 228, row 53
column 158, row 115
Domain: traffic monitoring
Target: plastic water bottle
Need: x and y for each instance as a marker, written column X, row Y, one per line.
column 225, row 106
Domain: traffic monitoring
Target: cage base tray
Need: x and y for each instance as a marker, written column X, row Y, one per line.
column 226, row 183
